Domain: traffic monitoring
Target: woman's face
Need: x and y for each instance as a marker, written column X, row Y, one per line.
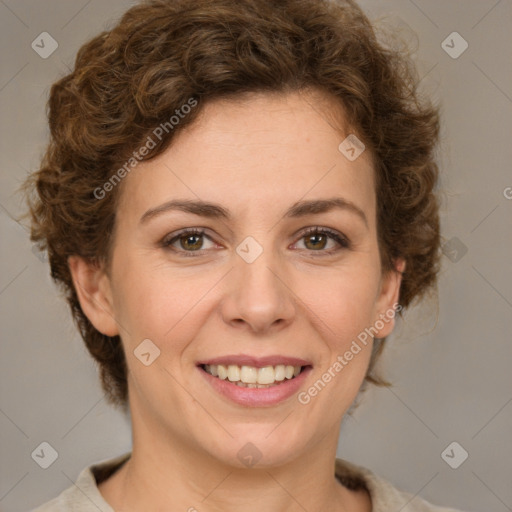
column 283, row 270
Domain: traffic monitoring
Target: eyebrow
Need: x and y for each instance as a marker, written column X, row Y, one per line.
column 215, row 211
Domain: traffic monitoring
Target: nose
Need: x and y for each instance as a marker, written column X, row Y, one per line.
column 258, row 297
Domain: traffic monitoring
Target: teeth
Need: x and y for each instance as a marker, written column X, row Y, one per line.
column 249, row 374
column 252, row 377
column 266, row 375
column 222, row 371
column 279, row 373
column 233, row 373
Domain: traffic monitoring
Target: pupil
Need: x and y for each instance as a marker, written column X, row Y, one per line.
column 317, row 237
column 188, row 238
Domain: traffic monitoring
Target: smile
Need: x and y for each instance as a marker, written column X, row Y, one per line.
column 255, row 381
column 252, row 376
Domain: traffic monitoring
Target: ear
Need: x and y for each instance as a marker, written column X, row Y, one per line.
column 94, row 293
column 388, row 297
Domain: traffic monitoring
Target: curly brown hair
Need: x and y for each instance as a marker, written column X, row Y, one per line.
column 128, row 80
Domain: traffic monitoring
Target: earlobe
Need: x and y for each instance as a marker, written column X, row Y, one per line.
column 93, row 289
column 389, row 296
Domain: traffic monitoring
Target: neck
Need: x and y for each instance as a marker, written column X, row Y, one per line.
column 168, row 474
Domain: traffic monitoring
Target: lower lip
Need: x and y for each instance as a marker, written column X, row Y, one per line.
column 257, row 397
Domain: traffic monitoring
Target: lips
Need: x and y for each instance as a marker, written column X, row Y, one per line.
column 255, row 381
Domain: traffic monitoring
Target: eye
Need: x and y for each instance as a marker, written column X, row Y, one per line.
column 317, row 239
column 188, row 241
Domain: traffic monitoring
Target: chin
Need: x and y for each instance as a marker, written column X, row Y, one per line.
column 260, row 445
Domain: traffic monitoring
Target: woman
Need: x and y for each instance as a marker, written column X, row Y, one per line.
column 237, row 199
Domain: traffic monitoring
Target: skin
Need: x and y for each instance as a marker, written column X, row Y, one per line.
column 256, row 156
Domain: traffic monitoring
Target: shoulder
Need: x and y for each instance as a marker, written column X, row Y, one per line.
column 383, row 494
column 83, row 495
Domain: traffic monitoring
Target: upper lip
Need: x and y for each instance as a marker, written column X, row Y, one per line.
column 258, row 362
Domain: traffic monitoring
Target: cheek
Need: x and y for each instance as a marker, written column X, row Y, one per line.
column 345, row 303
column 346, row 307
column 158, row 304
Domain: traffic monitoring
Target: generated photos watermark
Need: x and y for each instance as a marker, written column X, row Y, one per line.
column 151, row 141
column 304, row 397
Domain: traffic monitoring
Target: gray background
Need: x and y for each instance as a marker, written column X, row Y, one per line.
column 450, row 363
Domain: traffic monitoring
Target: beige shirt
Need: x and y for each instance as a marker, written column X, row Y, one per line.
column 84, row 496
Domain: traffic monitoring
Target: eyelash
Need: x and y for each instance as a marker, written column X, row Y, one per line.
column 337, row 237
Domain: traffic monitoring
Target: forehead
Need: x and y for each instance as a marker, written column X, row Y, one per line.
column 260, row 151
